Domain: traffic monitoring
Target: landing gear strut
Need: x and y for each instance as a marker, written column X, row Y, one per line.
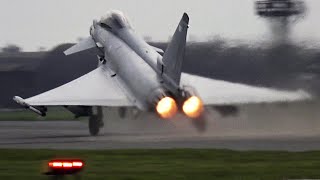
column 95, row 121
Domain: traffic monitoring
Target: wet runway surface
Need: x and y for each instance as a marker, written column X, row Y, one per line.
column 291, row 127
column 74, row 135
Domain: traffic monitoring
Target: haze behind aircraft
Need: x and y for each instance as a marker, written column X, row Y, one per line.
column 133, row 74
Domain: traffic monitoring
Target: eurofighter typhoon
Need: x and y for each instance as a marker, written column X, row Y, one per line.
column 134, row 75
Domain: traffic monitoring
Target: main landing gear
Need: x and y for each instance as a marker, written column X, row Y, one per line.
column 94, row 113
column 95, row 121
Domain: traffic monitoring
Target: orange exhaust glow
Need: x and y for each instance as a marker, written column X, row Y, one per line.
column 167, row 107
column 193, row 107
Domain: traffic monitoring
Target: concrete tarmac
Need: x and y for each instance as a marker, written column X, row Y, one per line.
column 294, row 127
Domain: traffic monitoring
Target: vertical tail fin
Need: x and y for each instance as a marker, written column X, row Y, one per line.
column 174, row 54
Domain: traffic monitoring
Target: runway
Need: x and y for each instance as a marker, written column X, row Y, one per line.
column 74, row 135
column 293, row 127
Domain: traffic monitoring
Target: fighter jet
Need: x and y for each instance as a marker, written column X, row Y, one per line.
column 134, row 75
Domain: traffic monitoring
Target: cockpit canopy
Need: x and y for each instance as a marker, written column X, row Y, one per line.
column 114, row 20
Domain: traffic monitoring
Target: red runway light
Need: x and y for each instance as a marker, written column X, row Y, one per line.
column 65, row 164
column 64, row 167
column 55, row 164
column 61, row 167
column 77, row 164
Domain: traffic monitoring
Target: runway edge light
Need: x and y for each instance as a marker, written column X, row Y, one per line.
column 61, row 167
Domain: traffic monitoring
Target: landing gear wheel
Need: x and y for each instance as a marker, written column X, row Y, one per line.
column 94, row 125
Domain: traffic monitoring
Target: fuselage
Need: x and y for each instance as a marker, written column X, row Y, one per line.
column 133, row 61
column 149, row 80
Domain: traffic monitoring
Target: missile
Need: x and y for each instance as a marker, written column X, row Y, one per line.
column 23, row 103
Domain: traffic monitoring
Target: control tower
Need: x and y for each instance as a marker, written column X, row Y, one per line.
column 280, row 14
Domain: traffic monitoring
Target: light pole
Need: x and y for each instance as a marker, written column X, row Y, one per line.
column 280, row 14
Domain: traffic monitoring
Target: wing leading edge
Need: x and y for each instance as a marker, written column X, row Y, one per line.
column 97, row 88
column 217, row 92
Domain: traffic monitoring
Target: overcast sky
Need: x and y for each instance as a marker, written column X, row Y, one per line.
column 35, row 23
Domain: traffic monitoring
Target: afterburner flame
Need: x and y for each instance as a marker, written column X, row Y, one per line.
column 193, row 107
column 167, row 107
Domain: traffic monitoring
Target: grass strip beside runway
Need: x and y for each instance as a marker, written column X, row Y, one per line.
column 167, row 164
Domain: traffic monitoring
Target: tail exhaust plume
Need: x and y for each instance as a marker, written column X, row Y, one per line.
column 193, row 107
column 167, row 107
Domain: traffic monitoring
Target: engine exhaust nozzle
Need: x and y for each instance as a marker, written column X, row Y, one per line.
column 167, row 107
column 193, row 107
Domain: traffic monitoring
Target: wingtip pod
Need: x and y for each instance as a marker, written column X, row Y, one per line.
column 303, row 95
column 297, row 95
column 289, row 96
column 23, row 103
column 20, row 101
